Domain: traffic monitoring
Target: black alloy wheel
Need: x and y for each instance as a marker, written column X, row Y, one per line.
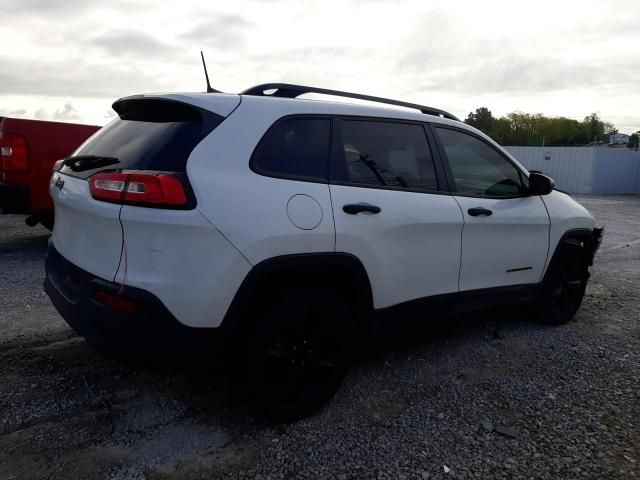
column 564, row 288
column 300, row 352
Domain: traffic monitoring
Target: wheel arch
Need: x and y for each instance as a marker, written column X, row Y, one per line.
column 343, row 270
column 586, row 239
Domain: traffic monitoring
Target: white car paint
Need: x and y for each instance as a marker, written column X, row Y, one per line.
column 195, row 261
column 410, row 250
column 494, row 248
column 86, row 232
column 183, row 260
column 250, row 209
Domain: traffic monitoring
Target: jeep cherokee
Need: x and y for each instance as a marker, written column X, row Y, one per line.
column 286, row 224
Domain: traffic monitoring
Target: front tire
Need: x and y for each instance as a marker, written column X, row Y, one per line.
column 299, row 351
column 564, row 286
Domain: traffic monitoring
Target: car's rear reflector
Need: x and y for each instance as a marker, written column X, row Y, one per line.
column 153, row 189
column 14, row 153
column 117, row 303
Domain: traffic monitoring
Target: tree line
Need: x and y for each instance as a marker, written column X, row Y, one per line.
column 527, row 129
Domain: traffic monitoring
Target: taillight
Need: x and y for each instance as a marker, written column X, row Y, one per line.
column 154, row 189
column 14, row 153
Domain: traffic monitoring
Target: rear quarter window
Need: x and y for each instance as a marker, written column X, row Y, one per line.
column 295, row 148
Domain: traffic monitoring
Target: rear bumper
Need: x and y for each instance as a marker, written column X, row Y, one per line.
column 14, row 198
column 72, row 291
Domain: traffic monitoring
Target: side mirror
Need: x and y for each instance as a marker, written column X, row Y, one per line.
column 540, row 184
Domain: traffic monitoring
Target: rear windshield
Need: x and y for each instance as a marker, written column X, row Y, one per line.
column 149, row 134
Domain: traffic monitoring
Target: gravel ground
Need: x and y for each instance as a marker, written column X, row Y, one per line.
column 489, row 395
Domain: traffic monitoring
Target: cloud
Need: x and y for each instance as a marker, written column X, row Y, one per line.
column 54, row 10
column 529, row 76
column 83, row 78
column 67, row 113
column 42, row 114
column 132, row 43
column 444, row 53
column 458, row 56
column 228, row 31
column 39, row 7
column 19, row 113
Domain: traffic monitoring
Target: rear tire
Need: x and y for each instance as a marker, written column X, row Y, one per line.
column 564, row 287
column 298, row 350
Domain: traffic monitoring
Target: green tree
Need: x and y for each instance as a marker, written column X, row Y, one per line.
column 518, row 128
column 595, row 128
column 560, row 131
column 501, row 131
column 634, row 140
column 482, row 119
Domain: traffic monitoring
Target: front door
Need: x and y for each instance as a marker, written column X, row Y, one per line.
column 505, row 239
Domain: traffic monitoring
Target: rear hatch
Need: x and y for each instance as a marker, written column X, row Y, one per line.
column 139, row 159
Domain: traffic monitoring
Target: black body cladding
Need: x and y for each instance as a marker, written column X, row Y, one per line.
column 72, row 291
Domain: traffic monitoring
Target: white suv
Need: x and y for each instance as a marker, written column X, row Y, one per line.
column 289, row 225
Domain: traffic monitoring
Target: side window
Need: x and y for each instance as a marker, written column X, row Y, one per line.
column 477, row 168
column 384, row 154
column 295, row 148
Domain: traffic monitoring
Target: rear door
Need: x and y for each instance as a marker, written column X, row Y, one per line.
column 391, row 210
column 506, row 230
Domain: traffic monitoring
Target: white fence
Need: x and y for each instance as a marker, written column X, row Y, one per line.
column 587, row 170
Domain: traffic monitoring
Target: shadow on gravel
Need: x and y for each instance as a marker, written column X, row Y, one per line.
column 207, row 386
column 36, row 244
column 210, row 384
column 405, row 334
column 102, row 415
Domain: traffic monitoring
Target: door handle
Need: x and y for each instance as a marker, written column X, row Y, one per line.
column 355, row 208
column 477, row 211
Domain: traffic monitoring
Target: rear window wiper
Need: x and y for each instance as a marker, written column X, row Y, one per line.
column 80, row 163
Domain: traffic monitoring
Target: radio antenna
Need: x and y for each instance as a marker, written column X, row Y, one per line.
column 210, row 89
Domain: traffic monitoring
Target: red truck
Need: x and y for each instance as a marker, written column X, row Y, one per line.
column 28, row 150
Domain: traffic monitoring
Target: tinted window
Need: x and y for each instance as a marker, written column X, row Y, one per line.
column 385, row 154
column 478, row 169
column 149, row 135
column 295, row 148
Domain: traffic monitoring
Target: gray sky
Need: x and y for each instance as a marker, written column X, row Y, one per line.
column 69, row 60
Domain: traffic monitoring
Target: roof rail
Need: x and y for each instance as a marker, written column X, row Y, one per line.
column 287, row 90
